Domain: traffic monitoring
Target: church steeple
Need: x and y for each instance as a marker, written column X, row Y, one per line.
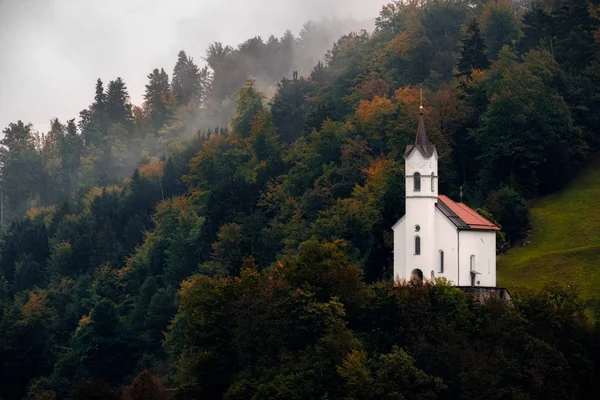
column 422, row 139
column 422, row 142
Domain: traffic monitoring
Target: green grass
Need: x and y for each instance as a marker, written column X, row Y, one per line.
column 564, row 245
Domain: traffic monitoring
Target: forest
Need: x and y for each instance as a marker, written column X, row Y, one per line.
column 230, row 238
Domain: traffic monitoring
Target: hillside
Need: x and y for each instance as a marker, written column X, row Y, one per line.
column 253, row 260
column 564, row 244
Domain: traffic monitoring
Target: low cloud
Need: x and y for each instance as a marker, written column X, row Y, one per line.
column 52, row 51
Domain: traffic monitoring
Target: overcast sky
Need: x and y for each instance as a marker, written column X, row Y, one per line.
column 52, row 51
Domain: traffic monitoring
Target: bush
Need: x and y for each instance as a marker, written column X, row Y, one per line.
column 511, row 211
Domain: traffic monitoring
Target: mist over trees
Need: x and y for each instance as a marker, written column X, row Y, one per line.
column 230, row 237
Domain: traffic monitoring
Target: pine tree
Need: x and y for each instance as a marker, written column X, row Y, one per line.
column 216, row 54
column 22, row 168
column 158, row 98
column 118, row 107
column 93, row 122
column 249, row 105
column 574, row 30
column 100, row 98
column 499, row 27
column 472, row 52
column 70, row 149
column 187, row 80
column 289, row 107
column 537, row 30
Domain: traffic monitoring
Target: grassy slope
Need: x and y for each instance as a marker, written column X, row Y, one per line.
column 564, row 245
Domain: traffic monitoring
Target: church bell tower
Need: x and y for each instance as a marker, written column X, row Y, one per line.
column 421, row 183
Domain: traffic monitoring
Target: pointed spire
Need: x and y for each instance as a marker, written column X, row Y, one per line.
column 422, row 139
column 422, row 142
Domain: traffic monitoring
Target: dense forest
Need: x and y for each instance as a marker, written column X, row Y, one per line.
column 230, row 237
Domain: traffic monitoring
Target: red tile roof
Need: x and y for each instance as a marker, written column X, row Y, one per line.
column 467, row 215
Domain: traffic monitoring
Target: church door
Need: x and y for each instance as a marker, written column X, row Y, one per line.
column 417, row 274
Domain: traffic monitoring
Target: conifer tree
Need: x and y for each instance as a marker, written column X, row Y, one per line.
column 216, row 54
column 249, row 104
column 499, row 27
column 574, row 30
column 93, row 122
column 186, row 79
column 289, row 107
column 100, row 98
column 22, row 168
column 472, row 52
column 70, row 149
column 538, row 28
column 118, row 107
column 158, row 98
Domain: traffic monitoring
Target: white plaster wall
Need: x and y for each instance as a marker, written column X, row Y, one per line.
column 415, row 162
column 446, row 239
column 420, row 211
column 400, row 250
column 482, row 244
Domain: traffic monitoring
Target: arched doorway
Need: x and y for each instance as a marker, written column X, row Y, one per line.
column 417, row 274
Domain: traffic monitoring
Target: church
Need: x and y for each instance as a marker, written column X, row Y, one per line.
column 438, row 237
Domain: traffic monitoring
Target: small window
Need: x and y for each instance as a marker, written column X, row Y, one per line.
column 441, row 261
column 417, row 178
column 417, row 228
column 472, row 262
column 417, row 245
column 432, row 184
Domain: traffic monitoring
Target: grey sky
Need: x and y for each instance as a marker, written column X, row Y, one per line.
column 52, row 51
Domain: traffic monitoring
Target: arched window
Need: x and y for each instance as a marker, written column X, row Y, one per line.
column 417, row 245
column 417, row 274
column 472, row 262
column 432, row 184
column 441, row 261
column 417, row 178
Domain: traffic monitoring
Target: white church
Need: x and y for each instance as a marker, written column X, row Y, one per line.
column 438, row 237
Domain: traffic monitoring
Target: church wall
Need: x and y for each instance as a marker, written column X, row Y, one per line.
column 420, row 211
column 481, row 244
column 447, row 241
column 425, row 166
column 400, row 250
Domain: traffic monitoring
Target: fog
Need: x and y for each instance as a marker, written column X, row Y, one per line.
column 52, row 51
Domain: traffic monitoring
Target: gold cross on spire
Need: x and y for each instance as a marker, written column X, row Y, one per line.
column 421, row 106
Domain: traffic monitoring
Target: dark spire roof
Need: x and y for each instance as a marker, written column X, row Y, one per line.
column 422, row 142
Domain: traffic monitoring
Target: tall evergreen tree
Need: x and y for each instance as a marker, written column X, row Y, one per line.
column 100, row 98
column 53, row 189
column 500, row 27
column 289, row 107
column 158, row 98
column 118, row 106
column 93, row 122
column 22, row 168
column 538, row 29
column 473, row 51
column 70, row 150
column 248, row 107
column 216, row 54
column 574, row 29
column 187, row 82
